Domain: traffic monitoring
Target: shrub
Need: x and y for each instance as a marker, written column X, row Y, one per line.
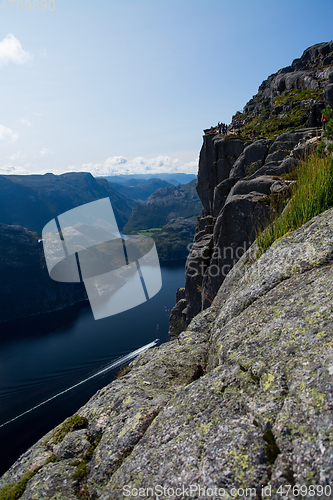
column 312, row 194
column 123, row 371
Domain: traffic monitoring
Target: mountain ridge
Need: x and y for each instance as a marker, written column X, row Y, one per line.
column 33, row 200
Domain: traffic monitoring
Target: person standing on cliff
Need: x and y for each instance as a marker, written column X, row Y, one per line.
column 323, row 120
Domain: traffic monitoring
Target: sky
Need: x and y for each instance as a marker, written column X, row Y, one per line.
column 127, row 86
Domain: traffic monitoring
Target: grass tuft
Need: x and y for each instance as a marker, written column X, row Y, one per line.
column 16, row 490
column 70, row 424
column 311, row 195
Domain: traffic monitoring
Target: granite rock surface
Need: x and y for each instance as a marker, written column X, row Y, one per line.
column 240, row 399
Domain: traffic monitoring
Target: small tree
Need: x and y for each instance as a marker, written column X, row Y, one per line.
column 328, row 113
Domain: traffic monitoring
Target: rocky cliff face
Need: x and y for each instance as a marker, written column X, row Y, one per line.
column 238, row 172
column 292, row 97
column 241, row 399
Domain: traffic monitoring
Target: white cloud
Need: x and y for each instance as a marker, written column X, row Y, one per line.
column 117, row 165
column 44, row 152
column 14, row 169
column 114, row 165
column 11, row 51
column 6, row 134
column 27, row 122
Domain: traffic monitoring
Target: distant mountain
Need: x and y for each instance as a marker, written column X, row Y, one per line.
column 140, row 191
column 26, row 288
column 163, row 205
column 33, row 200
column 175, row 178
column 172, row 242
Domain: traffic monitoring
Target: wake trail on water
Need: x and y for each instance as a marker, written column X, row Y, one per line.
column 113, row 365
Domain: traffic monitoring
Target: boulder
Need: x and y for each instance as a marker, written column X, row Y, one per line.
column 221, row 192
column 177, row 319
column 234, row 231
column 259, row 184
column 217, row 156
column 255, row 153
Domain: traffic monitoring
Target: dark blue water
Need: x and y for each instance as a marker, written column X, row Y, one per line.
column 45, row 355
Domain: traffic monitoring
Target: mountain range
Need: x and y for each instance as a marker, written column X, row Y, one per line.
column 32, row 201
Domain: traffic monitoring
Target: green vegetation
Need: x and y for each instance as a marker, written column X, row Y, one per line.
column 252, row 168
column 81, row 471
column 311, row 195
column 15, row 490
column 294, row 95
column 273, row 120
column 268, row 125
column 70, row 424
column 150, row 232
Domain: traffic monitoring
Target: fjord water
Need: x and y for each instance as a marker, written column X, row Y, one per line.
column 45, row 355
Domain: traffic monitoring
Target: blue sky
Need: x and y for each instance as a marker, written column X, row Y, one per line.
column 127, row 86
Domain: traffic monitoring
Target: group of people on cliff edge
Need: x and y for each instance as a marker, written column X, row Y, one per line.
column 221, row 128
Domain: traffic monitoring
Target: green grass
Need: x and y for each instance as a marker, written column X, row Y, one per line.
column 70, row 424
column 294, row 95
column 16, row 490
column 311, row 195
column 268, row 124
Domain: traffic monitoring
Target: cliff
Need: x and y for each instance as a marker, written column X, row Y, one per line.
column 239, row 172
column 241, row 399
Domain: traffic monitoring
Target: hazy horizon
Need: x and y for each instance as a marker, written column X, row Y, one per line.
column 122, row 87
